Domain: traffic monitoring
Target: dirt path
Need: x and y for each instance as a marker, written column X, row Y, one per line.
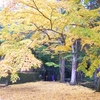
column 47, row 91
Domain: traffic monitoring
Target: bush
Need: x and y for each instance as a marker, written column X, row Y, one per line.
column 28, row 77
column 4, row 80
column 24, row 77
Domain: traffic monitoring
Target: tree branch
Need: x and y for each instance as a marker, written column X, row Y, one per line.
column 62, row 36
column 77, row 25
column 40, row 11
column 36, row 8
column 42, row 30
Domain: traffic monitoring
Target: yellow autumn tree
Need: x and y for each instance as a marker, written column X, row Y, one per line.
column 57, row 23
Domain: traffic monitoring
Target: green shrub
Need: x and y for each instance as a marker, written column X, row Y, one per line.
column 28, row 77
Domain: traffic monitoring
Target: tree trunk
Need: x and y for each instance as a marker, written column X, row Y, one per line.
column 97, row 80
column 62, row 70
column 73, row 73
column 6, row 82
column 74, row 64
column 80, row 76
column 98, row 85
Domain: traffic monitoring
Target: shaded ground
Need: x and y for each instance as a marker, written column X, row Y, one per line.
column 47, row 91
